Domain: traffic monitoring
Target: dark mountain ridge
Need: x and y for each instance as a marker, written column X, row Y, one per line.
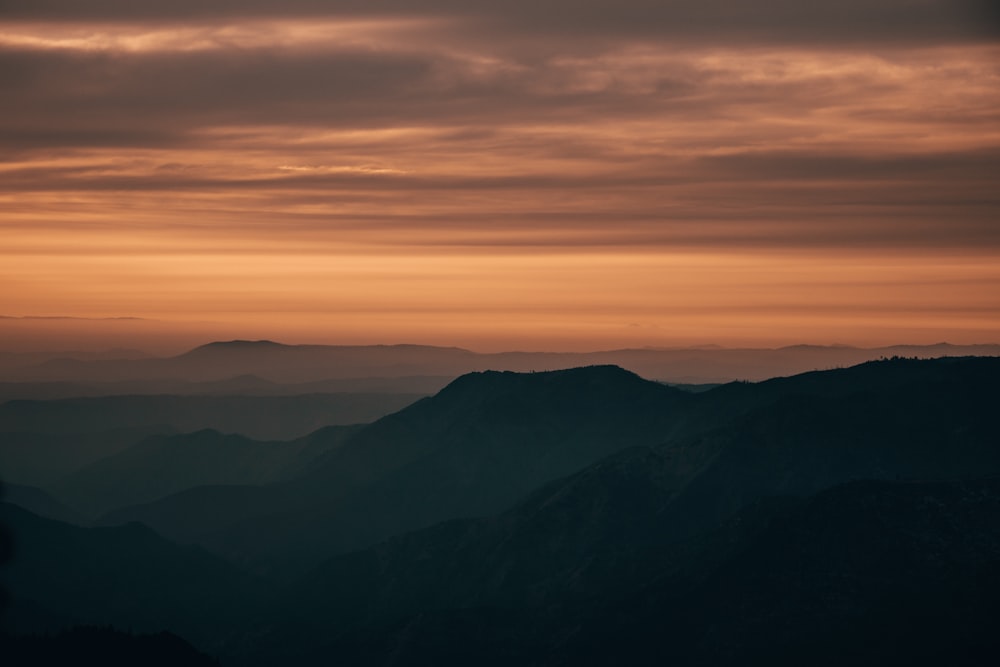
column 491, row 438
column 588, row 516
column 622, row 520
column 863, row 572
column 473, row 449
column 868, row 573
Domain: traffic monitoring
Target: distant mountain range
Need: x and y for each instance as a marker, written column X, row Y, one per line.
column 270, row 362
column 262, row 417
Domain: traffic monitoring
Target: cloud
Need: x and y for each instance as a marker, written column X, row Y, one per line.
column 331, row 153
column 847, row 21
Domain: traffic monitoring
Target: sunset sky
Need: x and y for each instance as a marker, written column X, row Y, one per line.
column 500, row 175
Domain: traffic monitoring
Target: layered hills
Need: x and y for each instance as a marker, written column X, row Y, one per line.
column 583, row 516
column 266, row 367
column 474, row 448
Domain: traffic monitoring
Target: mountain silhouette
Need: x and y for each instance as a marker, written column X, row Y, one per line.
column 260, row 417
column 279, row 363
column 622, row 519
column 664, row 513
column 162, row 465
column 42, row 459
column 489, row 439
column 39, row 502
column 473, row 449
column 123, row 576
column 867, row 573
column 582, row 517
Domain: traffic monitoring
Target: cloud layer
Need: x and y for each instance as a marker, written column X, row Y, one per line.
column 569, row 169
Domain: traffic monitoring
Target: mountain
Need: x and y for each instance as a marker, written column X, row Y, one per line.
column 39, row 502
column 262, row 417
column 649, row 515
column 866, row 573
column 596, row 531
column 240, row 385
column 125, row 576
column 473, row 449
column 588, row 516
column 265, row 359
column 162, row 465
column 592, row 534
column 488, row 439
column 41, row 459
column 289, row 364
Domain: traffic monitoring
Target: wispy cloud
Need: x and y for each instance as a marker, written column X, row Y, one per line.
column 173, row 133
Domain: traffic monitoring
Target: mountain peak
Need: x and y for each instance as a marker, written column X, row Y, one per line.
column 581, row 385
column 582, row 374
column 235, row 346
column 240, row 343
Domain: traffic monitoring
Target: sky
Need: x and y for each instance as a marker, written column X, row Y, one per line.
column 500, row 175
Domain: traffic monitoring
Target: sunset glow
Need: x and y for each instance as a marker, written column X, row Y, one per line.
column 498, row 180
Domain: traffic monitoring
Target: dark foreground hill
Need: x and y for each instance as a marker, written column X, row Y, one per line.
column 39, row 502
column 868, row 573
column 126, row 577
column 105, row 646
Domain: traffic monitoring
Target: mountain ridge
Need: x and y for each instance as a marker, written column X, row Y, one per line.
column 278, row 362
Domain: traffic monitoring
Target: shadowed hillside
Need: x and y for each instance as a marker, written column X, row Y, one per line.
column 475, row 448
column 125, row 576
column 865, row 573
column 104, row 646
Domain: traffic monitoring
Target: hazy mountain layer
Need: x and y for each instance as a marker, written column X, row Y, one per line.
column 240, row 385
column 262, row 417
column 163, row 465
column 37, row 501
column 41, row 459
column 272, row 362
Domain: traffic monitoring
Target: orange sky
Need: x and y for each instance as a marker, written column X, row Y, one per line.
column 464, row 174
